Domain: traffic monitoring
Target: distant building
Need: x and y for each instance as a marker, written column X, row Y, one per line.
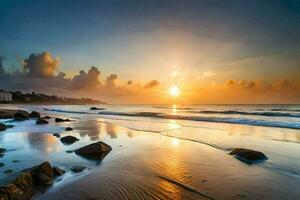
column 5, row 96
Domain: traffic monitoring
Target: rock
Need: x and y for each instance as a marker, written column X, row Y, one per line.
column 61, row 120
column 1, row 164
column 77, row 169
column 68, row 129
column 2, row 150
column 15, row 161
column 41, row 121
column 95, row 108
column 57, row 171
column 35, row 115
column 21, row 115
column 46, row 117
column 42, row 174
column 23, row 187
column 95, row 150
column 69, row 139
column 69, row 151
column 56, row 135
column 7, row 172
column 3, row 127
column 248, row 155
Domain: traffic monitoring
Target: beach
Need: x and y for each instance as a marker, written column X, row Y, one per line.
column 161, row 152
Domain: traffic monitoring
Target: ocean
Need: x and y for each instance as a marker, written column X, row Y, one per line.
column 182, row 150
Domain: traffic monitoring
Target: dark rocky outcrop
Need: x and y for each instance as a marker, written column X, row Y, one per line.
column 61, row 120
column 56, row 135
column 21, row 115
column 68, row 129
column 57, row 171
column 41, row 121
column 97, row 150
column 248, row 155
column 69, row 139
column 95, row 108
column 27, row 182
column 35, row 115
column 3, row 127
column 77, row 169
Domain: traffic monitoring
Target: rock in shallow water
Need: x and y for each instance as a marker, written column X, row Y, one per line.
column 61, row 120
column 95, row 150
column 35, row 115
column 41, row 121
column 21, row 115
column 69, row 139
column 23, row 187
column 68, row 129
column 248, row 155
column 77, row 169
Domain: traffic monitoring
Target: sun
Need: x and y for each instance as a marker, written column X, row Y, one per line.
column 174, row 91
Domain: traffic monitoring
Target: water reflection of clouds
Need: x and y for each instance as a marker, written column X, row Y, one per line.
column 43, row 142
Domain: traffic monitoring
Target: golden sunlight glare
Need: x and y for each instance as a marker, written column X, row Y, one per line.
column 174, row 91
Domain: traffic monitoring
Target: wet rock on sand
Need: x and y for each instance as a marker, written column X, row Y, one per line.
column 68, row 129
column 95, row 150
column 23, row 187
column 56, row 135
column 248, row 155
column 77, row 169
column 47, row 117
column 41, row 121
column 57, row 171
column 35, row 115
column 61, row 120
column 95, row 108
column 3, row 127
column 69, row 139
column 21, row 115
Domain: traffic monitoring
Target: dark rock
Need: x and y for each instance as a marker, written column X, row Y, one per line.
column 46, row 117
column 27, row 182
column 41, row 121
column 95, row 150
column 7, row 172
column 56, row 135
column 61, row 120
column 9, row 126
column 57, row 171
column 248, row 155
column 69, row 151
column 77, row 169
column 35, row 115
column 68, row 139
column 21, row 115
column 42, row 174
column 95, row 108
column 15, row 161
column 1, row 164
column 3, row 127
column 2, row 150
column 68, row 129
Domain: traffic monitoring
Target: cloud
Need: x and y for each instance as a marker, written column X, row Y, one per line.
column 86, row 80
column 40, row 65
column 111, row 80
column 151, row 84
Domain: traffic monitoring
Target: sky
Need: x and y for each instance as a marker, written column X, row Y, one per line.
column 134, row 51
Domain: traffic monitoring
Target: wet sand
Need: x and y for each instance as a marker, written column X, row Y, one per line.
column 153, row 164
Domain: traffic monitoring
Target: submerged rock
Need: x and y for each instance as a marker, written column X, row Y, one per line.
column 56, row 135
column 2, row 150
column 95, row 108
column 35, row 115
column 3, row 127
column 77, row 169
column 21, row 115
column 68, row 129
column 27, row 182
column 7, row 172
column 1, row 164
column 69, row 139
column 57, row 171
column 61, row 120
column 41, row 121
column 248, row 155
column 95, row 150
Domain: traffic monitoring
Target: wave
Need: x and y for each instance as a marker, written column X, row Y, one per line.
column 67, row 111
column 235, row 112
column 171, row 108
column 245, row 121
column 284, row 109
